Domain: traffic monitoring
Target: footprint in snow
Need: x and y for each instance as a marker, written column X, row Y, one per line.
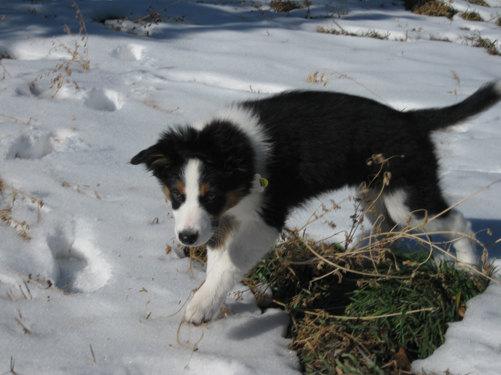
column 79, row 265
column 103, row 100
column 36, row 145
column 98, row 99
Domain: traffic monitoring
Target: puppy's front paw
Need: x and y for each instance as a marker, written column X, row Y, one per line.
column 202, row 308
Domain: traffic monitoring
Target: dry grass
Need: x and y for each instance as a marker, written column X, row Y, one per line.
column 60, row 76
column 326, row 75
column 478, row 41
column 153, row 17
column 472, row 16
column 285, row 6
column 81, row 188
column 435, row 9
column 23, row 293
column 17, row 197
column 78, row 53
column 478, row 2
column 369, row 33
column 429, row 8
column 29, row 122
column 457, row 89
column 12, row 365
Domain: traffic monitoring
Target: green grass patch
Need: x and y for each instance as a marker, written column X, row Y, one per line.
column 368, row 313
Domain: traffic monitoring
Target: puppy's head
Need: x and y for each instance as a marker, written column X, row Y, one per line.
column 203, row 173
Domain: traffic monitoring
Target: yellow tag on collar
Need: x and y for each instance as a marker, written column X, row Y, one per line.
column 259, row 183
column 263, row 182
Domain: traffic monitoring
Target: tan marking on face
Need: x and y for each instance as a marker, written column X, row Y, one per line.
column 180, row 187
column 226, row 225
column 233, row 198
column 204, row 189
column 166, row 191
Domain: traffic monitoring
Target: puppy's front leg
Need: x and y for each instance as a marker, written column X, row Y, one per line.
column 243, row 249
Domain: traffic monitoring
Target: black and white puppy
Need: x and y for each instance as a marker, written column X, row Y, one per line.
column 304, row 143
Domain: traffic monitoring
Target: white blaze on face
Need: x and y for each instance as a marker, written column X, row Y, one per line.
column 190, row 216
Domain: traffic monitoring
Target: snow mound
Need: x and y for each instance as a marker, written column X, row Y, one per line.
column 103, row 100
column 129, row 52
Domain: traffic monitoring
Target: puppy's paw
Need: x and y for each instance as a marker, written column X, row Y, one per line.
column 202, row 308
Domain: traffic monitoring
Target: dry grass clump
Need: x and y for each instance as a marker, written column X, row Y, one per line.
column 478, row 2
column 153, row 16
column 319, row 77
column 472, row 16
column 142, row 24
column 387, row 322
column 479, row 41
column 367, row 311
column 285, row 6
column 198, row 253
column 434, row 8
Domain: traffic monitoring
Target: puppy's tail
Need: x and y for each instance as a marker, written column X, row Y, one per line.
column 437, row 118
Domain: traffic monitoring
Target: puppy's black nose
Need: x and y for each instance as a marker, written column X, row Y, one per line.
column 188, row 237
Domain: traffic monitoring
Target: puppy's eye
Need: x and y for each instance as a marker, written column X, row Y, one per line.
column 176, row 195
column 210, row 196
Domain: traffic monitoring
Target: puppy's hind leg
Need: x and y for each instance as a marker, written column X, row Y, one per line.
column 450, row 224
column 456, row 229
column 374, row 210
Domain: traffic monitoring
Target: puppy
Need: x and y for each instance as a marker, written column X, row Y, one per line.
column 302, row 144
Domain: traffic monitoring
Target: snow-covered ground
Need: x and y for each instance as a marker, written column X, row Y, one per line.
column 102, row 232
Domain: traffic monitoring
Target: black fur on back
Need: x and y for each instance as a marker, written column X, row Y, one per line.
column 322, row 141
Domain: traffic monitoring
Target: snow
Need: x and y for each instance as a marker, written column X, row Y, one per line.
column 102, row 232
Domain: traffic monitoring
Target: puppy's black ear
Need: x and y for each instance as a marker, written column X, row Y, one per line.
column 154, row 159
column 141, row 157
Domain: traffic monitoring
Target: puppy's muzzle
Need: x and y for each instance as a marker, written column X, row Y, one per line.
column 188, row 237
